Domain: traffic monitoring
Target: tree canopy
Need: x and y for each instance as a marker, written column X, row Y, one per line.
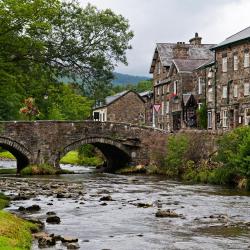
column 43, row 40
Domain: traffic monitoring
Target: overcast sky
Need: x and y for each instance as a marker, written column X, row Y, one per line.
column 174, row 20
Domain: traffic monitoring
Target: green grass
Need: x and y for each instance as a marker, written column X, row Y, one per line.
column 4, row 201
column 8, row 171
column 73, row 158
column 7, row 155
column 15, row 233
column 43, row 169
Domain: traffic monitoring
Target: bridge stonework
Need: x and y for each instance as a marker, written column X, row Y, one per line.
column 47, row 142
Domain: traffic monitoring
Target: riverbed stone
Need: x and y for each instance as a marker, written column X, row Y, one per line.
column 68, row 239
column 106, row 198
column 46, row 241
column 73, row 246
column 53, row 219
column 33, row 208
column 167, row 213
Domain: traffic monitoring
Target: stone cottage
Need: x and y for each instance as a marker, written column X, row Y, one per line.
column 232, row 81
column 126, row 106
column 175, row 90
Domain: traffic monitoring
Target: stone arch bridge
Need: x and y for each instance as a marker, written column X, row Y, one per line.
column 42, row 142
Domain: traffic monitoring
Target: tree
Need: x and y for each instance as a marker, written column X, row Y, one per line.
column 42, row 40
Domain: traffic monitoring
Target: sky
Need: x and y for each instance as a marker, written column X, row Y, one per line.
column 154, row 21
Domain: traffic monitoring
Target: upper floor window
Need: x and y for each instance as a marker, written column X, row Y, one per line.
column 246, row 60
column 246, row 89
column 235, row 90
column 167, row 107
column 210, row 95
column 162, row 108
column 236, row 62
column 175, row 87
column 159, row 68
column 224, row 118
column 200, row 85
column 168, row 88
column 163, row 89
column 158, row 90
column 224, row 64
column 224, row 92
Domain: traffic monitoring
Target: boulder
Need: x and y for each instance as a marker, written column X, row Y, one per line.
column 73, row 246
column 167, row 213
column 46, row 241
column 33, row 208
column 68, row 239
column 53, row 219
column 106, row 198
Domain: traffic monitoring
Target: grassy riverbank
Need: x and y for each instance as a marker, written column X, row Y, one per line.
column 74, row 158
column 15, row 233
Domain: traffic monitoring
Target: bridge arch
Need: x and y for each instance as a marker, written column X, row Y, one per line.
column 21, row 153
column 117, row 155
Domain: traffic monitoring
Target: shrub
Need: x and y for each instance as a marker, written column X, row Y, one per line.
column 177, row 147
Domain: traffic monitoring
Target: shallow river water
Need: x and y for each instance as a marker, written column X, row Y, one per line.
column 212, row 217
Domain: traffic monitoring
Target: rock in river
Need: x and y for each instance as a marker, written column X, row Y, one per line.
column 53, row 219
column 167, row 213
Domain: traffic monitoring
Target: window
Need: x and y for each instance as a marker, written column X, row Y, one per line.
column 210, row 95
column 247, row 117
column 224, row 64
column 235, row 62
column 159, row 68
column 224, row 92
column 162, row 108
column 167, row 107
column 246, row 89
column 158, row 90
column 235, row 90
column 175, row 87
column 163, row 89
column 246, row 60
column 167, row 86
column 200, row 85
column 209, row 119
column 224, row 118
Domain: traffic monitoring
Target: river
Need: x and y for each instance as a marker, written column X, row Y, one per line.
column 212, row 217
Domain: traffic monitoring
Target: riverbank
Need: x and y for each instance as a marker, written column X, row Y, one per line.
column 15, row 233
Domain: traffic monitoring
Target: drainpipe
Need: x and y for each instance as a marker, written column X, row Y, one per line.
column 215, row 89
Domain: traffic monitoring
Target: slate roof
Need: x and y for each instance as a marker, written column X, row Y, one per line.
column 165, row 51
column 241, row 35
column 187, row 65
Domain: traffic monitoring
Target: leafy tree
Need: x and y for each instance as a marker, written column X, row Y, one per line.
column 42, row 40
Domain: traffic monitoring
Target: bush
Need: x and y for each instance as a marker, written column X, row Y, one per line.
column 177, row 147
column 234, row 151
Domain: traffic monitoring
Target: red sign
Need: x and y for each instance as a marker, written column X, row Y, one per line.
column 157, row 107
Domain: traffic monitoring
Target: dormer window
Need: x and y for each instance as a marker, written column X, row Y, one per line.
column 159, row 68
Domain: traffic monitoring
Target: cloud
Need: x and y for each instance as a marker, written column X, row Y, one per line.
column 174, row 20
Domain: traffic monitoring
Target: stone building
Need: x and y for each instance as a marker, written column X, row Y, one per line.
column 126, row 106
column 175, row 90
column 232, row 81
column 148, row 98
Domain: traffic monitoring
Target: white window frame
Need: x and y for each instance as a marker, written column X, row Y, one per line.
column 210, row 94
column 158, row 90
column 175, row 87
column 236, row 63
column 168, row 88
column 235, row 90
column 246, row 89
column 224, row 92
column 167, row 107
column 224, row 118
column 162, row 107
column 200, row 85
column 246, row 116
column 224, row 64
column 246, row 59
column 209, row 119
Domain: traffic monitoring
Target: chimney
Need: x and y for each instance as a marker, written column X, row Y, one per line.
column 180, row 50
column 196, row 40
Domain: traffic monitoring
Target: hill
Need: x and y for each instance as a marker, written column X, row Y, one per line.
column 123, row 79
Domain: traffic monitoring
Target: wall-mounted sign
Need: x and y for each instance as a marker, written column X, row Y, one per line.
column 157, row 107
